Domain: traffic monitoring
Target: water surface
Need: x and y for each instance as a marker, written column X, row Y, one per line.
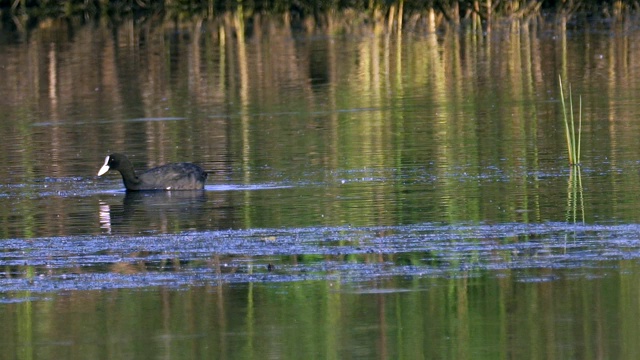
column 371, row 194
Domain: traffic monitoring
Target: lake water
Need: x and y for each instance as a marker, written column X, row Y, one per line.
column 372, row 194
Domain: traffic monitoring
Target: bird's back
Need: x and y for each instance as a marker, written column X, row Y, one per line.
column 176, row 176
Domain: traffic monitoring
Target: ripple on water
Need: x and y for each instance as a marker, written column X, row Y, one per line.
column 345, row 254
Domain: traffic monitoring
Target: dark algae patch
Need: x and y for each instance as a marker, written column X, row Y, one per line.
column 327, row 253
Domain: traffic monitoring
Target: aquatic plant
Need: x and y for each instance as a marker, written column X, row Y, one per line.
column 573, row 144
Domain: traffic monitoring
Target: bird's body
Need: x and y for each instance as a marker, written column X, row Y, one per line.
column 176, row 176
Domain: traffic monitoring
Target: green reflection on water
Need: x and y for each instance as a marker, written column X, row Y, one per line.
column 361, row 129
column 451, row 126
column 487, row 315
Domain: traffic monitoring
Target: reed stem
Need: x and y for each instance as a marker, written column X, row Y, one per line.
column 573, row 142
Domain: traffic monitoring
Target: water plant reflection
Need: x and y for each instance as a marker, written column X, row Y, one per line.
column 575, row 200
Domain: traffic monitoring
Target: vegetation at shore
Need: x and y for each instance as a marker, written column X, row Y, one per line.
column 390, row 11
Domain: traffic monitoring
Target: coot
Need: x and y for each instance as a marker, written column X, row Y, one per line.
column 177, row 176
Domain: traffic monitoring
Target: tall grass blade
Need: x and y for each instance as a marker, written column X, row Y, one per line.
column 579, row 129
column 573, row 142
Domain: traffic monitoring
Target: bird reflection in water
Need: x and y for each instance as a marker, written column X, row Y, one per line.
column 154, row 211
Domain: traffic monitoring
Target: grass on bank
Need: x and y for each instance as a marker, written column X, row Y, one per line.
column 447, row 10
column 573, row 143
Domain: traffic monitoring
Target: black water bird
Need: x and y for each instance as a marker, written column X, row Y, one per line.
column 176, row 176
